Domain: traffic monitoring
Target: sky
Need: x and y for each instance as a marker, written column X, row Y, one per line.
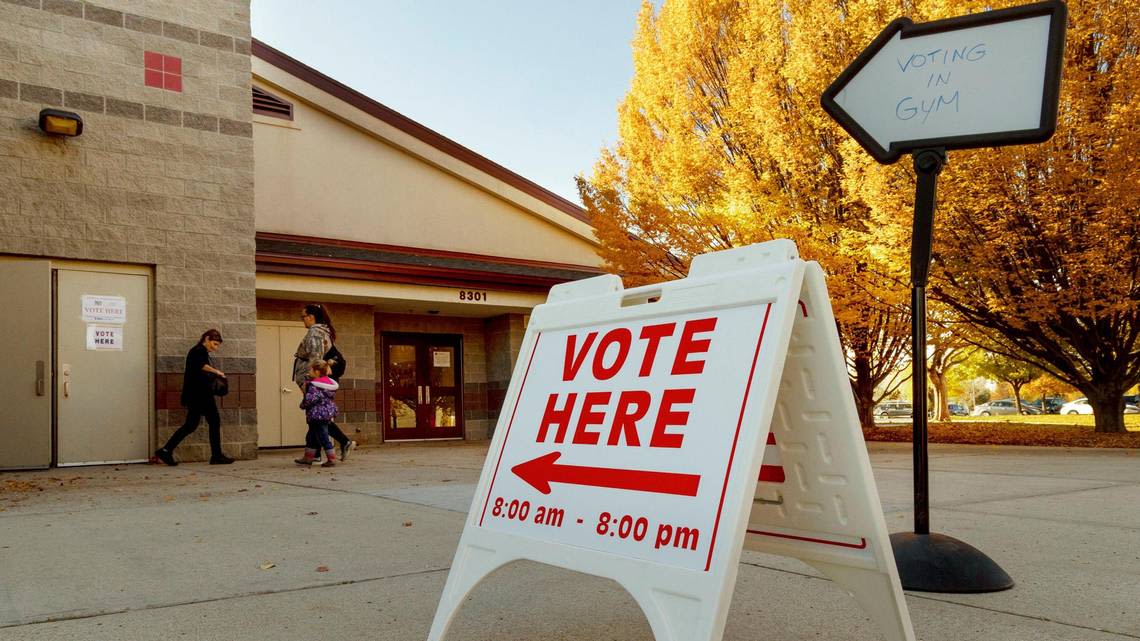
column 533, row 85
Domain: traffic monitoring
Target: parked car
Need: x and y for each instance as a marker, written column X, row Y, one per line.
column 1082, row 406
column 894, row 409
column 1079, row 406
column 957, row 409
column 1050, row 405
column 1003, row 407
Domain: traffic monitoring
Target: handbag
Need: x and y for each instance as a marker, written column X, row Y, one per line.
column 337, row 363
column 219, row 386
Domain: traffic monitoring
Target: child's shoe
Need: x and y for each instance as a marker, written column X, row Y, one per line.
column 309, row 457
column 330, row 459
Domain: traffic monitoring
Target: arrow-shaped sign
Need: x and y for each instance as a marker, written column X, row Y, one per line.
column 543, row 471
column 981, row 80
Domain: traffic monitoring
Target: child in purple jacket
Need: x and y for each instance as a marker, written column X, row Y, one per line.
column 320, row 409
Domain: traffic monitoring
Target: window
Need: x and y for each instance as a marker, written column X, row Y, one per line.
column 266, row 104
column 162, row 71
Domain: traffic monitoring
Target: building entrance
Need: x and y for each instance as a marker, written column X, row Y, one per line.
column 280, row 420
column 422, row 389
column 82, row 391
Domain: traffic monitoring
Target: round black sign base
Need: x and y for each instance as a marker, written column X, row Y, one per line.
column 940, row 563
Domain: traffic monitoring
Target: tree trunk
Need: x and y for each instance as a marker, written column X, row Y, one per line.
column 1108, row 408
column 1017, row 398
column 864, row 389
column 941, row 396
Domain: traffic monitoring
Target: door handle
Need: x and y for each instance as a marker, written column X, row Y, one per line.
column 286, row 390
column 427, row 394
column 66, row 369
column 420, row 394
column 41, row 384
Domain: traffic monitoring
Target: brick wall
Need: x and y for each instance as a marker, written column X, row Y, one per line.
column 504, row 336
column 159, row 177
column 354, row 328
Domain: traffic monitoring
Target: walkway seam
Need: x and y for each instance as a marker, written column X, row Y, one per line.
column 337, row 490
column 243, row 595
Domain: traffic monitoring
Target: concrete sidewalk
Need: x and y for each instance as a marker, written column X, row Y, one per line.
column 361, row 552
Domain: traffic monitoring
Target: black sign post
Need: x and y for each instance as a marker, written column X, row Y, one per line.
column 982, row 80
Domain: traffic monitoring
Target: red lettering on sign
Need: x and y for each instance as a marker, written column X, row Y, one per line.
column 574, row 361
column 623, row 338
column 689, row 346
column 559, row 417
column 653, row 334
column 631, row 407
column 590, row 417
column 667, row 416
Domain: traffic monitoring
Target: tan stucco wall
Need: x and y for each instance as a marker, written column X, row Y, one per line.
column 319, row 176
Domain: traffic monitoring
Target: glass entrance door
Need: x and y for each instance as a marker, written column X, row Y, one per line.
column 423, row 386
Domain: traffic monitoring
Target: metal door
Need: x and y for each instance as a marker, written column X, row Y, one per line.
column 268, row 386
column 25, row 420
column 293, row 426
column 103, row 368
column 280, row 420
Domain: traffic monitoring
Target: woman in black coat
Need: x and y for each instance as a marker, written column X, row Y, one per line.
column 198, row 399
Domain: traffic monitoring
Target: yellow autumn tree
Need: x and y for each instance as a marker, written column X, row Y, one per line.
column 948, row 348
column 723, row 143
column 1037, row 247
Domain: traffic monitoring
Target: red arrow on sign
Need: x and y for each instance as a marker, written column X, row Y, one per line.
column 542, row 471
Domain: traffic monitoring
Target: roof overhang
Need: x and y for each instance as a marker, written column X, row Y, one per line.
column 331, row 258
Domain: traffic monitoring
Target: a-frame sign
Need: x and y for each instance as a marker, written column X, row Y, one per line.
column 985, row 79
column 636, row 427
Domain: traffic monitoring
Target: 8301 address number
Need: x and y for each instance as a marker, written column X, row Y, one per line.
column 472, row 295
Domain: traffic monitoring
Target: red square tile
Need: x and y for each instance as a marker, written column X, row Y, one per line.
column 171, row 81
column 152, row 60
column 172, row 64
column 153, row 78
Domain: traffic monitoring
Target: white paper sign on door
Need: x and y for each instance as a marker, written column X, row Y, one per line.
column 440, row 358
column 104, row 337
column 104, row 309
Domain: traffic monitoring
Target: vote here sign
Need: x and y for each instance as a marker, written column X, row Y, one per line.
column 623, row 435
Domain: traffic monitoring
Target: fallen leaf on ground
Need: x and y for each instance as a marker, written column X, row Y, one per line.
column 312, row 514
column 21, row 486
column 322, row 568
column 407, row 524
column 268, row 565
column 168, row 498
